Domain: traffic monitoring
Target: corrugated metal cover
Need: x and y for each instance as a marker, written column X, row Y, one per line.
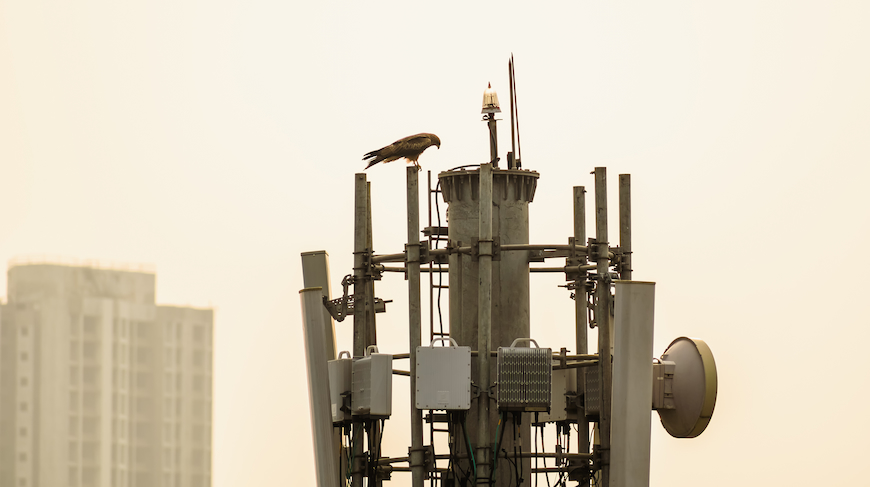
column 592, row 395
column 524, row 379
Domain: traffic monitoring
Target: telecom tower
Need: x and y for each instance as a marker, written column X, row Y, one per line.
column 488, row 402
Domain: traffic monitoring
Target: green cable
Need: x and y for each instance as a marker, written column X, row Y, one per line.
column 470, row 450
column 495, row 449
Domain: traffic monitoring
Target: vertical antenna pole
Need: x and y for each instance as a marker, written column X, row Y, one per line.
column 371, row 327
column 518, row 155
column 580, row 301
column 625, row 226
column 493, row 139
column 415, row 323
column 360, row 238
column 602, row 317
column 431, row 266
column 484, row 318
column 511, row 163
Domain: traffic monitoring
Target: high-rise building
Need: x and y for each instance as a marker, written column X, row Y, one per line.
column 99, row 386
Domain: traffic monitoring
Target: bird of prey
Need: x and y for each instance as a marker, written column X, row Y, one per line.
column 410, row 148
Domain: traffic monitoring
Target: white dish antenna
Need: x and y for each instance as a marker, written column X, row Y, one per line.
column 694, row 387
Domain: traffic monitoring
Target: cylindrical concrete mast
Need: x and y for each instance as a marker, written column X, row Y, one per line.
column 512, row 191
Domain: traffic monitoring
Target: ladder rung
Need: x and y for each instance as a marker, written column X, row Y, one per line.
column 440, row 286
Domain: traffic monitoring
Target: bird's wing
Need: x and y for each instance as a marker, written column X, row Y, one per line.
column 415, row 142
column 408, row 147
column 411, row 147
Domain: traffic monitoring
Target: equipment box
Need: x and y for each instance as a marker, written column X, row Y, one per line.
column 340, row 384
column 524, row 377
column 373, row 385
column 443, row 377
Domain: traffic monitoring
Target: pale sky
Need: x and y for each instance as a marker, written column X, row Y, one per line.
column 216, row 141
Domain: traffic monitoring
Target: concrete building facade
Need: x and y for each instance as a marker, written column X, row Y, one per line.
column 99, row 386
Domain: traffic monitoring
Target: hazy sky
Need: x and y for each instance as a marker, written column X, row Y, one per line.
column 218, row 140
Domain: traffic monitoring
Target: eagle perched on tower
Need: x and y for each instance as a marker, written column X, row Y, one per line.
column 409, row 148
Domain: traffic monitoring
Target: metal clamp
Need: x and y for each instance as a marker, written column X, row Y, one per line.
column 495, row 243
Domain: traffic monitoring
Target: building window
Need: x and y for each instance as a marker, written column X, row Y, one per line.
column 24, row 356
column 22, row 431
column 22, row 407
column 73, row 325
column 90, row 427
column 91, row 350
column 91, row 375
column 168, row 355
column 91, row 402
column 142, row 330
column 198, row 383
column 91, row 325
column 24, row 331
column 23, row 382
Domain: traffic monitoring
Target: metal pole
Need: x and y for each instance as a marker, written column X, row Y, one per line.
column 371, row 326
column 318, row 385
column 415, row 323
column 484, row 318
column 625, row 225
column 580, row 301
column 493, row 139
column 360, row 239
column 602, row 317
column 632, row 387
column 431, row 265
